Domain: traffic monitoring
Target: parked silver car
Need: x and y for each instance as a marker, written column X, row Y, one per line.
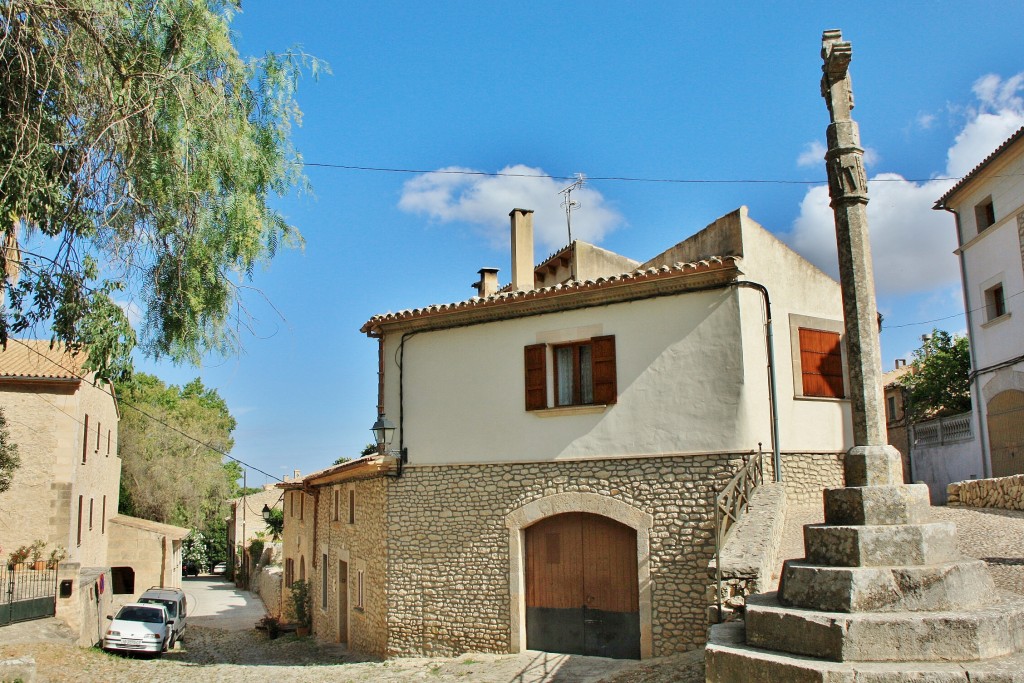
column 139, row 627
column 173, row 599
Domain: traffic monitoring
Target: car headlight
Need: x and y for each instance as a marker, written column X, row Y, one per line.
column 113, row 633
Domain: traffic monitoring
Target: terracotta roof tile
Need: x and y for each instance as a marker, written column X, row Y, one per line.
column 941, row 201
column 34, row 359
column 640, row 275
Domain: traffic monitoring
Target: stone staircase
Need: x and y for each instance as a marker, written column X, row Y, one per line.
column 882, row 594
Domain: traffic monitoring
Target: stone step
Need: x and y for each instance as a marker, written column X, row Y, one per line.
column 881, row 545
column 994, row 630
column 962, row 584
column 729, row 659
column 896, row 504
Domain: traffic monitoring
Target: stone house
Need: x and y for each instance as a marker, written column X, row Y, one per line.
column 560, row 443
column 897, row 422
column 988, row 207
column 245, row 521
column 65, row 492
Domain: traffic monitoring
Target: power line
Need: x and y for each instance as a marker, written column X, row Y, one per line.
column 955, row 315
column 134, row 407
column 627, row 179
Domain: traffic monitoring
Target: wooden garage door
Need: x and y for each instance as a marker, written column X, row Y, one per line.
column 581, row 587
column 1006, row 433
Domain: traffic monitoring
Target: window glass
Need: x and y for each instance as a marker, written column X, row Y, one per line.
column 586, row 376
column 563, row 366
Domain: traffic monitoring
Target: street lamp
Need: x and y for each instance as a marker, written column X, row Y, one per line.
column 266, row 513
column 383, row 431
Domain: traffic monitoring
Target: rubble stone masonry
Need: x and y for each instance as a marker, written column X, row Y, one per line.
column 361, row 545
column 448, row 544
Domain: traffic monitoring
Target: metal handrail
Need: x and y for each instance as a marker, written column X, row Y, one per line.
column 730, row 503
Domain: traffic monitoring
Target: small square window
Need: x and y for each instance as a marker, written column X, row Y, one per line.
column 984, row 214
column 995, row 302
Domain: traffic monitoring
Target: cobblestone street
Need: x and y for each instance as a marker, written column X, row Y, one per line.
column 210, row 653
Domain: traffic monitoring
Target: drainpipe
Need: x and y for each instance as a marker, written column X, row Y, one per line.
column 986, row 465
column 772, row 387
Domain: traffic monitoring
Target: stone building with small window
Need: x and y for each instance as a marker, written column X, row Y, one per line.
column 988, row 207
column 560, row 441
column 65, row 492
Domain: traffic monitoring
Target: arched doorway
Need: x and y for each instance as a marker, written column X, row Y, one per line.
column 582, row 593
column 1006, row 432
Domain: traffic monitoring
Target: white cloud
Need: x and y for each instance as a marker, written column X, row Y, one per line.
column 131, row 311
column 485, row 201
column 925, row 121
column 814, row 155
column 912, row 244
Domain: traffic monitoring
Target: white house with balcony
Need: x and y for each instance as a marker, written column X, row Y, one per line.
column 988, row 206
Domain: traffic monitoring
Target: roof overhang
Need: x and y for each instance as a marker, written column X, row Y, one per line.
column 362, row 468
column 664, row 281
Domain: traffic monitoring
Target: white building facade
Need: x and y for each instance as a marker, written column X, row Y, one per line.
column 988, row 205
column 565, row 439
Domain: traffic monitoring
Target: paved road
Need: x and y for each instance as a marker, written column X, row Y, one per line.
column 214, row 602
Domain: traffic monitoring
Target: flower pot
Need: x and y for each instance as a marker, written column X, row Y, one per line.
column 302, row 631
column 39, row 565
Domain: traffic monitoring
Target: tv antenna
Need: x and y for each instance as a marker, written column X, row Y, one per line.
column 569, row 203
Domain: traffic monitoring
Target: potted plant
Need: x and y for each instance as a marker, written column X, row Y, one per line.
column 18, row 557
column 271, row 625
column 300, row 603
column 57, row 555
column 37, row 555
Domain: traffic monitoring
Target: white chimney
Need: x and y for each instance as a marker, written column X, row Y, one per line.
column 488, row 282
column 522, row 249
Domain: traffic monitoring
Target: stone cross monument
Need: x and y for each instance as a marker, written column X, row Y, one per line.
column 882, row 593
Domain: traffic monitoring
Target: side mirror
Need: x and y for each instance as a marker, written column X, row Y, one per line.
column 110, row 617
column 170, row 621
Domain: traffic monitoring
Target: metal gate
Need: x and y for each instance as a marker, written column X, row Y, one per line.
column 27, row 594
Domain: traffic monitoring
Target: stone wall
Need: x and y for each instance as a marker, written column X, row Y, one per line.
column 1006, row 493
column 449, row 546
column 751, row 549
column 360, row 545
column 807, row 475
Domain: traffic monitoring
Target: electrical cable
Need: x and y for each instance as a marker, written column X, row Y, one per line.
column 129, row 404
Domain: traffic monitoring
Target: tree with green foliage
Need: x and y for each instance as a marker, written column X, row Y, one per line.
column 368, row 449
column 276, row 522
column 938, row 384
column 193, row 550
column 140, row 156
column 167, row 476
column 9, row 458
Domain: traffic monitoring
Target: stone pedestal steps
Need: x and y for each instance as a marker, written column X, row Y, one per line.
column 729, row 658
column 882, row 594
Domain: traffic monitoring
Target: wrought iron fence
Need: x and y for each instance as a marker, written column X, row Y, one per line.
column 944, row 430
column 27, row 594
column 731, row 502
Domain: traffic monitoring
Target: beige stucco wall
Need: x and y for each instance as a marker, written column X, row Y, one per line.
column 361, row 545
column 154, row 556
column 47, row 423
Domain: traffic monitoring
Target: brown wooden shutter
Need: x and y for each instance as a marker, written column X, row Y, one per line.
column 603, row 359
column 535, row 362
column 821, row 363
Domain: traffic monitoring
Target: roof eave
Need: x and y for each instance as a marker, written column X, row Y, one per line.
column 661, row 282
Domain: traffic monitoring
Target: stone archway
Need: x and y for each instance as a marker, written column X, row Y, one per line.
column 518, row 520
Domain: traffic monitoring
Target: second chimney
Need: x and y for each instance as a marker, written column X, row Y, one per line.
column 488, row 282
column 522, row 249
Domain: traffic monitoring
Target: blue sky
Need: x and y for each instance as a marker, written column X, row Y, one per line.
column 680, row 91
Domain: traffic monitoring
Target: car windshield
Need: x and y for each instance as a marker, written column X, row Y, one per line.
column 172, row 608
column 144, row 614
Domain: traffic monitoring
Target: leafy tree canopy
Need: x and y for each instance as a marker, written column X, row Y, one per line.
column 139, row 154
column 368, row 449
column 938, row 384
column 165, row 475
